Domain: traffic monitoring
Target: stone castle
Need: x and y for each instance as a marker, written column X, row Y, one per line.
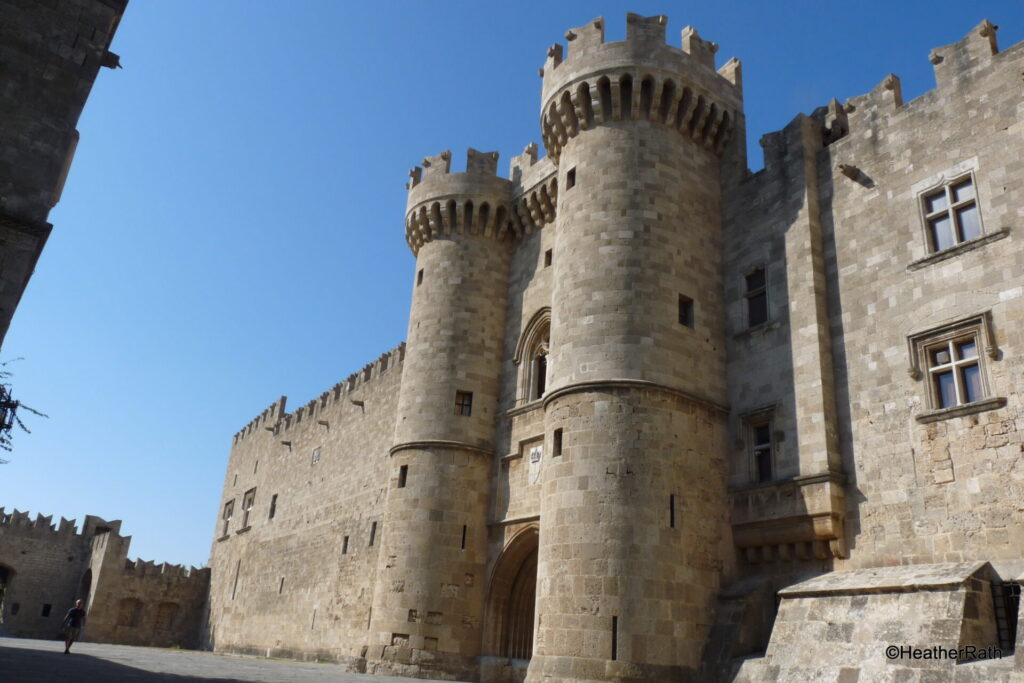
column 659, row 418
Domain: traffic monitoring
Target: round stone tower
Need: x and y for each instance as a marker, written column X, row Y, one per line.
column 634, row 519
column 431, row 578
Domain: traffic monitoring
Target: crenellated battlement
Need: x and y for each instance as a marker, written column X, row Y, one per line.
column 442, row 203
column 172, row 572
column 276, row 420
column 955, row 64
column 21, row 522
column 640, row 78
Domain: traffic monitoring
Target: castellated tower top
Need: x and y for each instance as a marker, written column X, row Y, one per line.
column 638, row 78
column 443, row 204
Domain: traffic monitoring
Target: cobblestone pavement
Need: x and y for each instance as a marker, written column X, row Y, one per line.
column 42, row 661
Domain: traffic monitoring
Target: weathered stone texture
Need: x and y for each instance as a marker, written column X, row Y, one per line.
column 50, row 54
column 129, row 603
column 600, row 514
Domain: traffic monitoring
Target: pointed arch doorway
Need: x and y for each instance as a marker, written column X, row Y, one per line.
column 512, row 598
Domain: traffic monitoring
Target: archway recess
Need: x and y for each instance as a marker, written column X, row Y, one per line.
column 511, row 599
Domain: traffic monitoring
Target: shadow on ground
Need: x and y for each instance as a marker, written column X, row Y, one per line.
column 25, row 665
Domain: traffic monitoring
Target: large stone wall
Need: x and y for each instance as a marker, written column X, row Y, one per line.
column 52, row 53
column 287, row 585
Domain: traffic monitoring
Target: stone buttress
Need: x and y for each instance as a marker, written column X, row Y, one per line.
column 634, row 520
column 428, row 600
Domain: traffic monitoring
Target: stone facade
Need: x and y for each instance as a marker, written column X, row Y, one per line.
column 44, row 568
column 661, row 418
column 50, row 55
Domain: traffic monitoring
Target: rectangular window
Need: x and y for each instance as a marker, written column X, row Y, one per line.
column 316, row 456
column 247, row 503
column 951, row 214
column 952, row 362
column 403, row 473
column 46, row 610
column 280, row 586
column 373, row 532
column 757, row 298
column 464, row 403
column 548, row 257
column 556, row 443
column 344, row 546
column 463, row 536
column 273, row 506
column 570, row 178
column 672, row 511
column 419, row 277
column 229, row 510
column 954, row 368
column 686, row 311
column 761, row 449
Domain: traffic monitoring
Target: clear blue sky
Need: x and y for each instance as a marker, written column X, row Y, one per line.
column 232, row 226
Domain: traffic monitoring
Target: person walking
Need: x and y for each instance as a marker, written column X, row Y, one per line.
column 73, row 623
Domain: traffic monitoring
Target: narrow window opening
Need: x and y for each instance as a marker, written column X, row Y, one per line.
column 542, row 375
column 556, row 443
column 247, row 503
column 464, row 403
column 419, row 277
column 570, row 179
column 46, row 609
column 615, row 638
column 312, row 623
column 373, row 532
column 686, row 311
column 1006, row 600
column 344, row 546
column 273, row 506
column 762, row 438
column 255, row 466
column 235, row 481
column 672, row 511
column 757, row 298
column 463, row 536
column 403, row 473
column 280, row 586
column 234, row 586
column 547, row 257
column 229, row 510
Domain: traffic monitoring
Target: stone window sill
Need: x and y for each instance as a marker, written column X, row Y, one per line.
column 761, row 329
column 224, row 538
column 962, row 410
column 534, row 404
column 970, row 245
column 243, row 529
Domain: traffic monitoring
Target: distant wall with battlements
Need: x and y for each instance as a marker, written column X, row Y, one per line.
column 46, row 567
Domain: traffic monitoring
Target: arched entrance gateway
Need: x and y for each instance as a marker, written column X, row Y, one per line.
column 511, row 599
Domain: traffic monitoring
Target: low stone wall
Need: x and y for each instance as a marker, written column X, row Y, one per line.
column 886, row 623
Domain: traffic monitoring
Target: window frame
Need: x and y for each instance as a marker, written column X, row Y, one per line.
column 463, row 403
column 977, row 328
column 750, row 294
column 248, row 502
column 764, row 417
column 944, row 185
column 227, row 514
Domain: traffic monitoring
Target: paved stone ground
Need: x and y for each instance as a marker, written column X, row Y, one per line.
column 42, row 661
